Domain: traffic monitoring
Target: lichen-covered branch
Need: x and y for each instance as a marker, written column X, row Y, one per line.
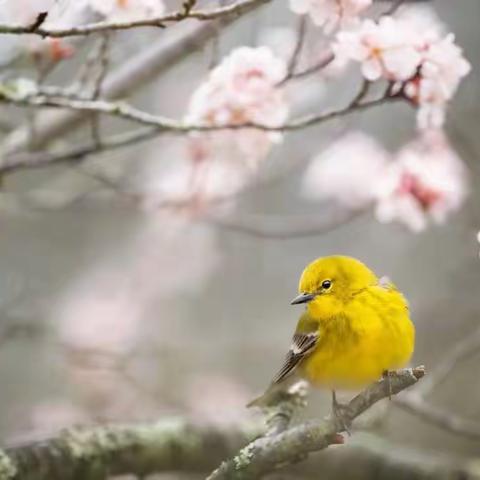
column 12, row 161
column 94, row 453
column 97, row 452
column 268, row 453
column 128, row 112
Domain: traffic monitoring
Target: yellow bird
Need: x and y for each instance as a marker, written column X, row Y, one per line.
column 355, row 328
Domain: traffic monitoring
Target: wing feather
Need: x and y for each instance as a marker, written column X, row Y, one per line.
column 302, row 345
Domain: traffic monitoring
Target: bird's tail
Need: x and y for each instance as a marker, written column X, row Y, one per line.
column 261, row 401
column 277, row 393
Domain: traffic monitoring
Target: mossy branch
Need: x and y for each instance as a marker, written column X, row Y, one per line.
column 266, row 454
column 92, row 453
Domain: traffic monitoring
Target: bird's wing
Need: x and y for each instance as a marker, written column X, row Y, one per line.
column 302, row 345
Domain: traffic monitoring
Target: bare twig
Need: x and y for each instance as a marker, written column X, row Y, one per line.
column 414, row 401
column 266, row 454
column 160, row 125
column 393, row 8
column 297, row 50
column 449, row 421
column 465, row 348
column 283, row 227
column 326, row 59
column 33, row 28
column 30, row 160
column 99, row 76
column 187, row 12
column 128, row 112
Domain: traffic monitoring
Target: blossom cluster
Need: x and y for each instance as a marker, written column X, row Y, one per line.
column 242, row 89
column 330, row 14
column 423, row 62
column 424, row 181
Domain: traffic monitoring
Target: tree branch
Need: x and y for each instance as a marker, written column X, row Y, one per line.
column 414, row 402
column 268, row 453
column 161, row 125
column 451, row 422
column 237, row 8
column 98, row 452
column 282, row 227
column 128, row 112
column 128, row 77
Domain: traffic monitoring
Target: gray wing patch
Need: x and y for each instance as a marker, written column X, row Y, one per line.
column 302, row 345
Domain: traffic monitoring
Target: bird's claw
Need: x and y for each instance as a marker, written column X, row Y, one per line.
column 341, row 413
column 387, row 377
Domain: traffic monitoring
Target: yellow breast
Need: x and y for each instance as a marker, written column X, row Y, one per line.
column 373, row 333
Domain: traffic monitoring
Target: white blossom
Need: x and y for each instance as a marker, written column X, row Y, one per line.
column 443, row 66
column 330, row 14
column 413, row 52
column 385, row 49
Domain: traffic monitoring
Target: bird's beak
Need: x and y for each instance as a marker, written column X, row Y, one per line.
column 303, row 298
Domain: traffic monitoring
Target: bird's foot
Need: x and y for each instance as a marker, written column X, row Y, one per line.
column 342, row 415
column 387, row 376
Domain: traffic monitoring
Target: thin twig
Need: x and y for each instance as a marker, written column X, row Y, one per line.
column 161, row 125
column 282, row 227
column 449, row 421
column 465, row 348
column 128, row 112
column 236, row 8
column 297, row 50
column 326, row 59
column 414, row 401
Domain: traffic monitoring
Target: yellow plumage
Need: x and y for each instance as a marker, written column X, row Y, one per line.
column 355, row 327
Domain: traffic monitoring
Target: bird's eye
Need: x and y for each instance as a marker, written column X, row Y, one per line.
column 326, row 284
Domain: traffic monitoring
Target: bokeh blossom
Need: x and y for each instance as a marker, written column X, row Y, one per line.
column 125, row 10
column 330, row 14
column 426, row 64
column 425, row 181
column 24, row 12
column 347, row 171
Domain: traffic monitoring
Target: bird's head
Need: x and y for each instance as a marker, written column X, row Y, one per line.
column 328, row 282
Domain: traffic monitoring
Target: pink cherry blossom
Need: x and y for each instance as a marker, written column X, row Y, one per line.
column 330, row 14
column 347, row 171
column 414, row 53
column 103, row 309
column 427, row 181
column 242, row 89
column 197, row 184
column 124, row 10
column 385, row 49
column 443, row 67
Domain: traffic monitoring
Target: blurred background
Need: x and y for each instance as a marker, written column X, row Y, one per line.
column 120, row 309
